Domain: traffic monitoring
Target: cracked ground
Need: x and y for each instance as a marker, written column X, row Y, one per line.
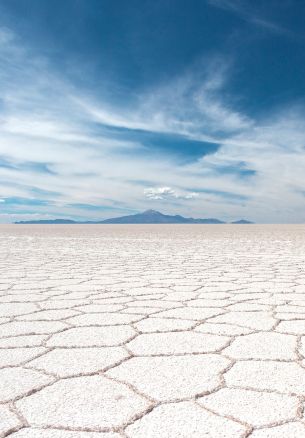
column 152, row 331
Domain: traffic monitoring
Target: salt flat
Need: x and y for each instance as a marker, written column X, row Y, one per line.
column 152, row 331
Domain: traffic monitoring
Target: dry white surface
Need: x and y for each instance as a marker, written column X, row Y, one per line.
column 152, row 331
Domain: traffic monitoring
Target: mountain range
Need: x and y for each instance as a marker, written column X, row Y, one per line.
column 147, row 217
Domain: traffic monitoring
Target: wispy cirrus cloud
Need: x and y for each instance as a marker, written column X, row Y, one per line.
column 246, row 11
column 192, row 104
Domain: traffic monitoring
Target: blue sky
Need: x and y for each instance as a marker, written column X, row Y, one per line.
column 193, row 107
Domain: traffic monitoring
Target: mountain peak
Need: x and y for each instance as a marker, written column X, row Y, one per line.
column 150, row 211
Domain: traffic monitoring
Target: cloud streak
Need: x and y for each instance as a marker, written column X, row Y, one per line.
column 246, row 12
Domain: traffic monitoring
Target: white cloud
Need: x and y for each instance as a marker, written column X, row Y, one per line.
column 165, row 193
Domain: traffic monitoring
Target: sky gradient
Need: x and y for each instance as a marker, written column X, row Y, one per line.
column 194, row 107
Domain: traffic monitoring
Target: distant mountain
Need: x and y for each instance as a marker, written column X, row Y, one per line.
column 147, row 217
column 242, row 222
column 155, row 217
column 48, row 221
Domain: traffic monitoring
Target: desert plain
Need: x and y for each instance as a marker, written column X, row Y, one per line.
column 170, row 331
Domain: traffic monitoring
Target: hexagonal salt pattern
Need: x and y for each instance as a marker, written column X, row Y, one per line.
column 172, row 377
column 92, row 402
column 273, row 346
column 65, row 362
column 252, row 407
column 18, row 382
column 283, row 377
column 184, row 420
column 92, row 336
column 176, row 343
column 148, row 331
